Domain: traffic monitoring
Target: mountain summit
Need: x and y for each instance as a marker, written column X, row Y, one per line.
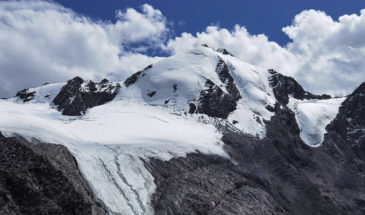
column 196, row 133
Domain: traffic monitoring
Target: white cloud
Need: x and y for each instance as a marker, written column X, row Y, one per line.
column 325, row 56
column 331, row 52
column 44, row 42
column 255, row 49
column 133, row 26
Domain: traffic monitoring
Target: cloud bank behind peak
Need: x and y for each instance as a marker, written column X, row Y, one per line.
column 42, row 41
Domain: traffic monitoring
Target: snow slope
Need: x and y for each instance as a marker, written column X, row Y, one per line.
column 253, row 85
column 43, row 94
column 313, row 116
column 178, row 80
column 187, row 72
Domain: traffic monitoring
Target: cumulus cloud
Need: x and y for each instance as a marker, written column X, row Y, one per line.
column 42, row 41
column 331, row 53
column 325, row 56
column 255, row 49
column 133, row 26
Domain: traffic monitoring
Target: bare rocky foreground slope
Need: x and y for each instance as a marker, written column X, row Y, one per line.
column 200, row 133
column 39, row 178
column 276, row 175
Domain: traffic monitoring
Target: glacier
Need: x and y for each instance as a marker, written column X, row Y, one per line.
column 112, row 141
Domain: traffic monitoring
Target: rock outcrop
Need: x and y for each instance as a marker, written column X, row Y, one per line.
column 26, row 95
column 349, row 125
column 214, row 102
column 39, row 178
column 225, row 76
column 283, row 86
column 134, row 78
column 77, row 95
column 224, row 51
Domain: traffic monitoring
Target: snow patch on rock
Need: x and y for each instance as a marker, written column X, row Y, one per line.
column 43, row 94
column 313, row 116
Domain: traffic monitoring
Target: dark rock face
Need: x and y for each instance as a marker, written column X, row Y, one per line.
column 224, row 75
column 135, row 77
column 214, row 102
column 283, row 86
column 26, row 95
column 192, row 108
column 38, row 178
column 77, row 96
column 206, row 184
column 276, row 175
column 349, row 125
column 151, row 93
column 224, row 51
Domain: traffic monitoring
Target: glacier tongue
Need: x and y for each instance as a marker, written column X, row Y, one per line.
column 110, row 143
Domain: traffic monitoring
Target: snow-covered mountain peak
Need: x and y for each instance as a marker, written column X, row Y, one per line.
column 207, row 82
column 72, row 98
column 201, row 81
column 179, row 78
column 182, row 104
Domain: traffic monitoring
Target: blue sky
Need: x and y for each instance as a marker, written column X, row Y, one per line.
column 258, row 16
